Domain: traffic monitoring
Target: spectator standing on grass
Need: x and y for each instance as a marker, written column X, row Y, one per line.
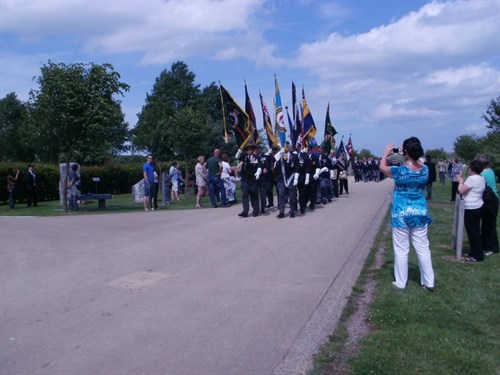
column 11, row 185
column 472, row 192
column 442, row 171
column 409, row 216
column 31, row 181
column 456, row 172
column 148, row 170
column 74, row 188
column 432, row 176
column 489, row 215
column 201, row 180
column 175, row 179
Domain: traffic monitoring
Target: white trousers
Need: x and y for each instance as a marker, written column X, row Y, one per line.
column 401, row 244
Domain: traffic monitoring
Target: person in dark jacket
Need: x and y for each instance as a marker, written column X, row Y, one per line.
column 432, row 176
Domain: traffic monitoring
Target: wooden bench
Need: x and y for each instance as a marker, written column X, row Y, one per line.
column 101, row 198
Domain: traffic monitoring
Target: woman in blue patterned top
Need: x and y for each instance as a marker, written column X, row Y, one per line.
column 409, row 216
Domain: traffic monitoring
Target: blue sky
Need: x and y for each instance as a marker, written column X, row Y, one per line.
column 390, row 69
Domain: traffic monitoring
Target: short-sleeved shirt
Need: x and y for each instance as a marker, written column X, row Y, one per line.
column 213, row 166
column 149, row 169
column 489, row 177
column 409, row 207
column 474, row 197
column 174, row 174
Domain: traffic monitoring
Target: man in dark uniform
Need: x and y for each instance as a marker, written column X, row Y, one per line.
column 303, row 182
column 313, row 183
column 325, row 183
column 265, row 181
column 250, row 173
column 287, row 176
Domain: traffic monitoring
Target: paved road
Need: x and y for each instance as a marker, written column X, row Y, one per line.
column 180, row 292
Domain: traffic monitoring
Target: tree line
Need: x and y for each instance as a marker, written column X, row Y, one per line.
column 75, row 114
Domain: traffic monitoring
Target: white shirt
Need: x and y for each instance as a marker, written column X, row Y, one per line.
column 226, row 170
column 474, row 197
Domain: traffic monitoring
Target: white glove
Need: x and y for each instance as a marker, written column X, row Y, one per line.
column 331, row 175
column 238, row 154
column 316, row 174
column 269, row 152
column 258, row 173
column 324, row 169
column 277, row 156
column 295, row 179
column 307, row 179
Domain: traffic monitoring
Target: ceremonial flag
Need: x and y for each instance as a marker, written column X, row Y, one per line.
column 251, row 116
column 280, row 116
column 328, row 140
column 342, row 156
column 290, row 126
column 309, row 128
column 271, row 138
column 350, row 149
column 239, row 120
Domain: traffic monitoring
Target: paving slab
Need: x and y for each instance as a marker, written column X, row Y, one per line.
column 182, row 292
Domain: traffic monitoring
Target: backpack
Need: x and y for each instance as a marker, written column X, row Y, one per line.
column 489, row 195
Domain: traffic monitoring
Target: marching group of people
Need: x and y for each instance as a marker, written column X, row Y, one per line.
column 302, row 178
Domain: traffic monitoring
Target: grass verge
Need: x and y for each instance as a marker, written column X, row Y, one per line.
column 119, row 203
column 454, row 330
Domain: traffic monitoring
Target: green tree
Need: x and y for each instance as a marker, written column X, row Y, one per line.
column 467, row 147
column 15, row 144
column 76, row 113
column 438, row 154
column 172, row 91
column 492, row 115
column 179, row 120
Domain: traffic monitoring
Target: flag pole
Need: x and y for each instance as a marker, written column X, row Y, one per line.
column 223, row 115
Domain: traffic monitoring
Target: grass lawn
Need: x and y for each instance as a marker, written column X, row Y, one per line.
column 119, row 203
column 454, row 330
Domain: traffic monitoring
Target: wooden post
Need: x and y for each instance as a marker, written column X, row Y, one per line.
column 458, row 226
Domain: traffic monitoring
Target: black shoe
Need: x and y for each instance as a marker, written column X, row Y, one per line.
column 311, row 207
column 226, row 205
column 291, row 214
column 302, row 211
column 323, row 201
column 255, row 214
column 270, row 205
column 263, row 212
column 280, row 216
column 242, row 214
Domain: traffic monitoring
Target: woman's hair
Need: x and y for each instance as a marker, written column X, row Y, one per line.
column 484, row 159
column 476, row 166
column 74, row 167
column 174, row 164
column 413, row 148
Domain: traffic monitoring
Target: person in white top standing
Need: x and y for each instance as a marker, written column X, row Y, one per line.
column 472, row 192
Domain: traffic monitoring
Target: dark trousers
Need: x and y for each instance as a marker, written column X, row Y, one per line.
column 472, row 220
column 312, row 192
column 250, row 194
column 284, row 191
column 266, row 194
column 454, row 190
column 335, row 184
column 31, row 196
column 442, row 177
column 11, row 199
column 216, row 183
column 343, row 186
column 489, row 234
column 428, row 189
column 303, row 191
